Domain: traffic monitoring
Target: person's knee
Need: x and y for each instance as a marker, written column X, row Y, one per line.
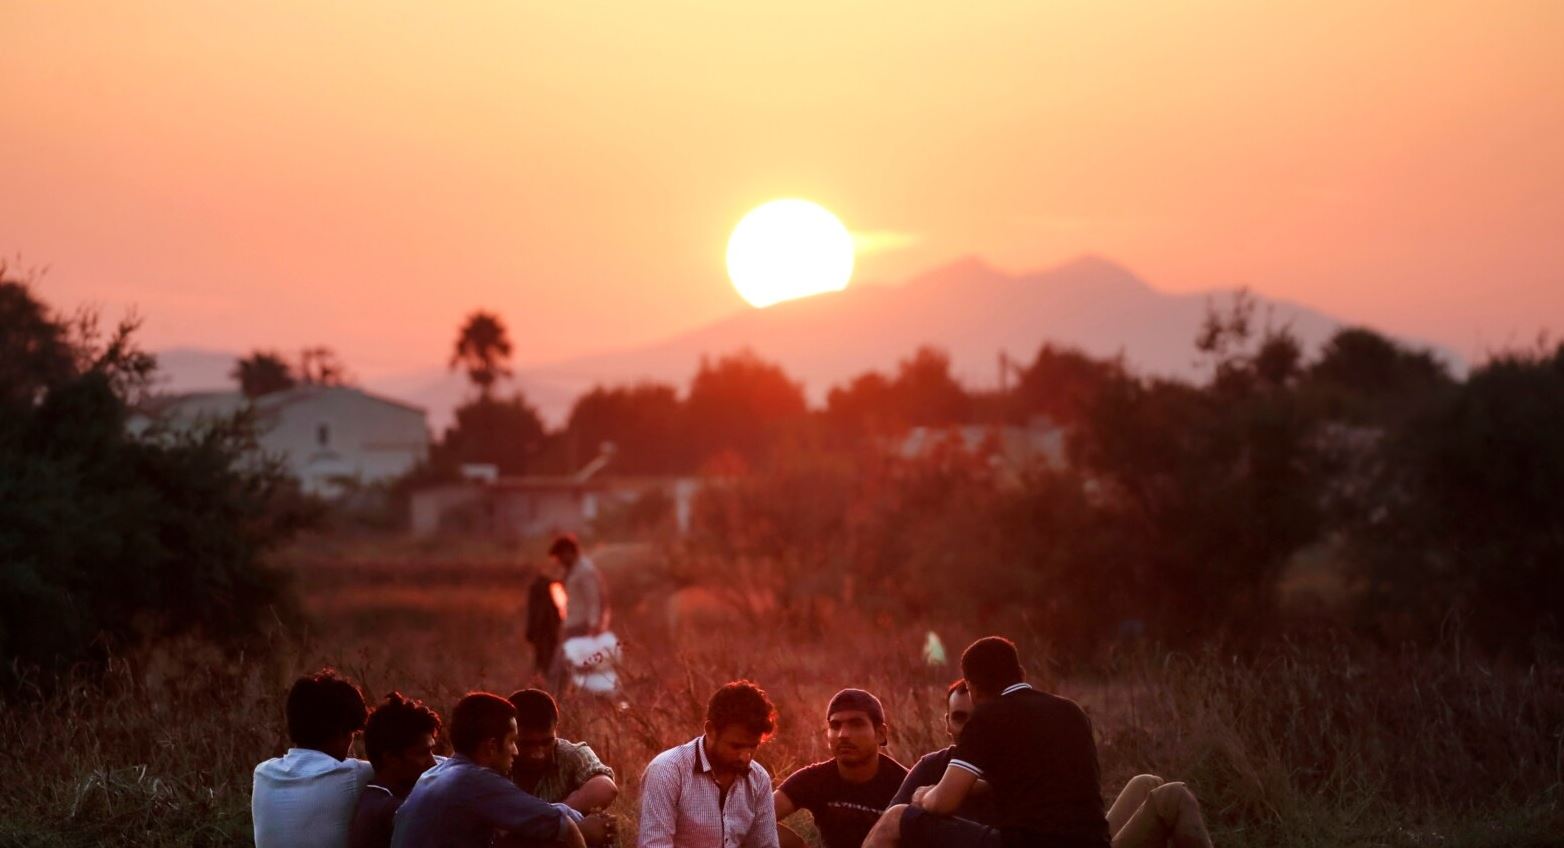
column 1144, row 782
column 1170, row 799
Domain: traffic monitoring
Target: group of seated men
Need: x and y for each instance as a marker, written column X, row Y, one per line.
column 1022, row 771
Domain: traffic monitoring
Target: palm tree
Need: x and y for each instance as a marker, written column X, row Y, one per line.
column 482, row 347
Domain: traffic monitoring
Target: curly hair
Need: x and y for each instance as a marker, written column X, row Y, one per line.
column 397, row 724
column 745, row 704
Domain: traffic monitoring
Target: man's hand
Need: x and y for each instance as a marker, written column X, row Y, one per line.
column 595, row 828
column 917, row 795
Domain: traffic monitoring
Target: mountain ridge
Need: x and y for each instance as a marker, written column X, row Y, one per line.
column 967, row 307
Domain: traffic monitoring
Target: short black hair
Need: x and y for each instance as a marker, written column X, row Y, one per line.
column 991, row 664
column 479, row 716
column 323, row 706
column 397, row 724
column 535, row 709
column 564, row 544
column 743, row 703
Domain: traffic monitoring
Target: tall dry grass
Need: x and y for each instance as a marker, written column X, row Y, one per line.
column 1326, row 743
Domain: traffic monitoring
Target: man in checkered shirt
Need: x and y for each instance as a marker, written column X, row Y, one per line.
column 710, row 792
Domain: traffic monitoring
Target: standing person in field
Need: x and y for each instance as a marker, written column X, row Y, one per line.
column 979, row 805
column 1036, row 752
column 586, row 601
column 710, row 792
column 567, row 774
column 847, row 793
column 399, row 739
column 543, row 622
column 467, row 800
column 306, row 798
column 586, row 595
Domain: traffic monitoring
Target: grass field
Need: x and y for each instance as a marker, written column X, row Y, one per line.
column 1325, row 743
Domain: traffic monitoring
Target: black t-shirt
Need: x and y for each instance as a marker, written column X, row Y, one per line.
column 928, row 771
column 1037, row 752
column 844, row 812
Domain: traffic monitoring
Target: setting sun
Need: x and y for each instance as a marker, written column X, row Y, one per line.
column 788, row 249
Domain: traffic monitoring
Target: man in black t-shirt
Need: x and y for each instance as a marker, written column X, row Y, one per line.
column 847, row 793
column 1036, row 752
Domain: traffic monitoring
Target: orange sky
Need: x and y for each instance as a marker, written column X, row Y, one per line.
column 362, row 174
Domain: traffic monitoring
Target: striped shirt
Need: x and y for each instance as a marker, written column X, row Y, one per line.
column 682, row 805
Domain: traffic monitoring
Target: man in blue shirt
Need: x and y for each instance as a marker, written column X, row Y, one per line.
column 466, row 800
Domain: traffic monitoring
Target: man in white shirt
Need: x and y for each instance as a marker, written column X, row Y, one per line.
column 306, row 798
column 710, row 792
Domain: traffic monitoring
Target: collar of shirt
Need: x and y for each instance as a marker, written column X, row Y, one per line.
column 703, row 765
column 1014, row 687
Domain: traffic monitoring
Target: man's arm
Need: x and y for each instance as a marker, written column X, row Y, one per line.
column 948, row 795
column 922, row 774
column 572, row 836
column 598, row 792
column 507, row 808
column 785, row 807
column 659, row 807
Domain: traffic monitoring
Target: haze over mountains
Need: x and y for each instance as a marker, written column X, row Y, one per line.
column 969, row 309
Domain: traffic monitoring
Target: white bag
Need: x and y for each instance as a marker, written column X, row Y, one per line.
column 592, row 660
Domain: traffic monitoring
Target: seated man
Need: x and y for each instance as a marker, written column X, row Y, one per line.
column 467, row 800
column 399, row 739
column 306, row 798
column 979, row 806
column 847, row 793
column 558, row 771
column 710, row 792
column 1035, row 750
column 1161, row 813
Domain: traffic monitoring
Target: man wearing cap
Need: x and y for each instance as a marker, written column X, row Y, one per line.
column 847, row 793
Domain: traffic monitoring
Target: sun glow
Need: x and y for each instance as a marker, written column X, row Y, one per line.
column 788, row 249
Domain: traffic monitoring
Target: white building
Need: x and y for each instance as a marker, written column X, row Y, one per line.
column 326, row 435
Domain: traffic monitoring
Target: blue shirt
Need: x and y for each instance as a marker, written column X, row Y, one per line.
column 460, row 804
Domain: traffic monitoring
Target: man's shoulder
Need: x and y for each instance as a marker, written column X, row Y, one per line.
column 809, row 775
column 678, row 756
column 566, row 748
column 943, row 755
column 377, row 800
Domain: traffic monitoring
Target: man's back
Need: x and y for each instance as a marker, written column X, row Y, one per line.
column 459, row 803
column 306, row 799
column 586, row 600
column 1037, row 752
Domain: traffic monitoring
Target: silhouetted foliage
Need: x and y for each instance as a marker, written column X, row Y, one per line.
column 320, row 366
column 107, row 538
column 482, row 350
column 741, row 403
column 1364, row 378
column 644, row 422
column 1464, row 523
column 506, row 433
column 263, row 372
column 923, row 393
column 1063, row 384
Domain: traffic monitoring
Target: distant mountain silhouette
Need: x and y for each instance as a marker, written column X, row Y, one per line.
column 970, row 309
